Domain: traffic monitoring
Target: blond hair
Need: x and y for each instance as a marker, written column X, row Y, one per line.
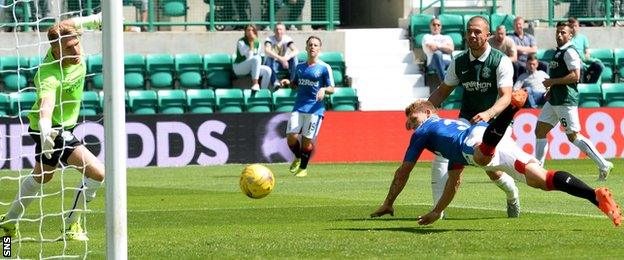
column 62, row 30
column 420, row 105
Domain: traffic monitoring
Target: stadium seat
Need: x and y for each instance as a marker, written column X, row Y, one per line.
column 419, row 26
column 218, row 69
column 143, row 102
column 175, row 8
column 608, row 60
column 189, row 70
column 22, row 102
column 134, row 71
column 502, row 19
column 613, row 94
column 90, row 104
column 337, row 62
column 590, row 95
column 302, row 56
column 258, row 101
column 451, row 105
column 33, row 66
column 229, row 100
column 160, row 70
column 5, row 104
column 453, row 101
column 344, row 99
column 545, row 55
column 200, row 101
column 94, row 70
column 618, row 55
column 284, row 99
column 14, row 72
column 171, row 101
column 453, row 26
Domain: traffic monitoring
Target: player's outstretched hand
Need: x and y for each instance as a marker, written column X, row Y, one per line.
column 429, row 218
column 47, row 143
column 481, row 117
column 383, row 210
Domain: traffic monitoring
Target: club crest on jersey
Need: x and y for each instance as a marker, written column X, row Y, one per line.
column 317, row 72
column 486, row 72
column 553, row 64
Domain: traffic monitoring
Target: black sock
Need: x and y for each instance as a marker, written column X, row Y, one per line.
column 306, row 153
column 296, row 149
column 567, row 183
column 496, row 130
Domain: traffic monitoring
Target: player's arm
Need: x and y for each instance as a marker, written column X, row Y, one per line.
column 47, row 100
column 448, row 46
column 504, row 79
column 328, row 82
column 452, row 185
column 401, row 175
column 573, row 62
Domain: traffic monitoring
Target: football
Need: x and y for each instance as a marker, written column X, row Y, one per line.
column 257, row 181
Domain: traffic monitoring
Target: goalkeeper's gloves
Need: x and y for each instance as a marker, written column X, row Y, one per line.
column 47, row 137
column 88, row 22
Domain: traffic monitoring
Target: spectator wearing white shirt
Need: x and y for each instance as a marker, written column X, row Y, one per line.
column 281, row 53
column 532, row 81
column 438, row 48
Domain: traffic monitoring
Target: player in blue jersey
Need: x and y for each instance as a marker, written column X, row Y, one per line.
column 484, row 145
column 313, row 80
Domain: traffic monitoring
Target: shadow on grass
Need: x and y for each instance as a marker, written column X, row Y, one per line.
column 413, row 230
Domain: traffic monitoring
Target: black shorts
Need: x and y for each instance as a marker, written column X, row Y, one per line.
column 65, row 142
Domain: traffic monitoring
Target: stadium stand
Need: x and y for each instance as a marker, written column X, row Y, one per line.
column 590, row 95
column 218, row 70
column 171, row 101
column 143, row 102
column 134, row 71
column 200, row 101
column 613, row 94
column 160, row 69
column 344, row 99
column 188, row 68
column 94, row 69
column 284, row 99
column 229, row 100
column 16, row 77
column 90, row 103
column 258, row 101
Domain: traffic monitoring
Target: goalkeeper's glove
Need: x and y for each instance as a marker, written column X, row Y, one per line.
column 88, row 22
column 47, row 137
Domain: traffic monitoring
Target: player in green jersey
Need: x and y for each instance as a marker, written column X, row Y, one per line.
column 59, row 84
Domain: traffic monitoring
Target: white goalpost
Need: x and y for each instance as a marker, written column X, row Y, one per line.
column 114, row 130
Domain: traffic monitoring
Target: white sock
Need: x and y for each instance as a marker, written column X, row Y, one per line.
column 439, row 175
column 588, row 148
column 541, row 147
column 84, row 194
column 507, row 184
column 28, row 189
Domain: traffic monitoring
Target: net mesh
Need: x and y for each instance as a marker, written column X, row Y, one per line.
column 41, row 227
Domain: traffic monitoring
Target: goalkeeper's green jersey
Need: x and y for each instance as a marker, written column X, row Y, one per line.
column 65, row 85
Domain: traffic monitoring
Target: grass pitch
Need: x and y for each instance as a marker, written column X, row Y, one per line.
column 200, row 212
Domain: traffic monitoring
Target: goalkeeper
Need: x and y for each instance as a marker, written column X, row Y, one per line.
column 59, row 84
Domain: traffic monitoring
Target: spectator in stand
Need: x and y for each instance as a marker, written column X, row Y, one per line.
column 506, row 45
column 280, row 53
column 248, row 60
column 294, row 10
column 438, row 48
column 142, row 7
column 591, row 68
column 532, row 81
column 525, row 45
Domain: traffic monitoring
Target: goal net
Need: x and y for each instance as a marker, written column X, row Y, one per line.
column 42, row 227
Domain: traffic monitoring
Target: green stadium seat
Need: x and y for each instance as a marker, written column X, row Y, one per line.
column 419, row 26
column 337, row 62
column 284, row 99
column 171, row 101
column 22, row 102
column 90, row 103
column 302, row 56
column 258, row 101
column 618, row 55
column 200, row 101
column 451, row 105
column 453, row 101
column 33, row 64
column 590, row 95
column 218, row 69
column 175, row 8
column 143, row 102
column 453, row 26
column 502, row 19
column 613, row 94
column 5, row 104
column 344, row 99
column 229, row 100
column 607, row 58
column 545, row 55
column 15, row 72
column 134, row 71
column 189, row 70
column 160, row 70
column 94, row 69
